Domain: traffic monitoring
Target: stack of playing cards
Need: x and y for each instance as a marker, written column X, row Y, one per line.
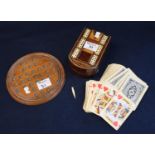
column 115, row 96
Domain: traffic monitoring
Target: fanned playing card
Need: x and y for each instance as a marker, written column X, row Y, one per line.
column 105, row 94
column 115, row 96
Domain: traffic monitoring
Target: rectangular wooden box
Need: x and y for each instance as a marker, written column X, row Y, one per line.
column 87, row 52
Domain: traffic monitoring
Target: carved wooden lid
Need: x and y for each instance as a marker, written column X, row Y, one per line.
column 35, row 78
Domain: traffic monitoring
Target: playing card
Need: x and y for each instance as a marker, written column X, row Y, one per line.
column 115, row 96
column 116, row 79
column 119, row 84
column 134, row 89
column 88, row 90
column 96, row 88
column 106, row 74
column 116, row 73
column 86, row 97
column 105, row 94
column 117, row 111
column 92, row 88
column 111, row 71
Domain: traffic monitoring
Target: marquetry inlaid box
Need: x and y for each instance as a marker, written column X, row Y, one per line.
column 88, row 51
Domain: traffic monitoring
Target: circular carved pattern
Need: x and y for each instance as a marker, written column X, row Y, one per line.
column 35, row 78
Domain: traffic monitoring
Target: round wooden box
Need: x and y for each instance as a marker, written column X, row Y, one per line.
column 35, row 78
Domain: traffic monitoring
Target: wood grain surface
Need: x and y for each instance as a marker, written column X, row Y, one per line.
column 35, row 78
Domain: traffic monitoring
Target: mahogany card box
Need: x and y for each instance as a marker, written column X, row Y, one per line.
column 88, row 51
